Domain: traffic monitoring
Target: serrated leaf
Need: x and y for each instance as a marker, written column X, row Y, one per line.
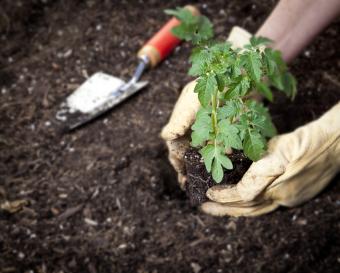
column 254, row 146
column 229, row 110
column 214, row 160
column 277, row 58
column 236, row 68
column 264, row 90
column 217, row 171
column 205, row 87
column 182, row 14
column 230, row 136
column 238, row 88
column 208, row 154
column 256, row 41
column 204, row 30
column 192, row 28
column 197, row 69
column 183, row 32
column 270, row 61
column 277, row 81
column 289, row 83
column 254, row 65
column 221, row 82
column 201, row 128
column 220, row 160
column 221, row 48
column 265, row 125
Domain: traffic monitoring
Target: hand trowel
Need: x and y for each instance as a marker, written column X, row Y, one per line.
column 101, row 92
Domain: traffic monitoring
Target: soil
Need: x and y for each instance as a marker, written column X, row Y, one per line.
column 199, row 180
column 104, row 198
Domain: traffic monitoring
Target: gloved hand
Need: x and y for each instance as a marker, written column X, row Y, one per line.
column 176, row 132
column 297, row 167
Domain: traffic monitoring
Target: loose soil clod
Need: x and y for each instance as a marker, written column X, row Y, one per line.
column 199, row 180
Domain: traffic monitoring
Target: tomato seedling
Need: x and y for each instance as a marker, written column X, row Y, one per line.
column 229, row 118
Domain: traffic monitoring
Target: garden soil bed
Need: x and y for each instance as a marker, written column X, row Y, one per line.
column 104, row 198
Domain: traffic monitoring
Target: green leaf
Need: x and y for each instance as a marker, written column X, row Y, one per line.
column 221, row 48
column 264, row 90
column 270, row 61
column 182, row 14
column 229, row 135
column 277, row 81
column 201, row 128
column 236, row 69
column 265, row 125
column 289, row 83
column 205, row 87
column 214, row 160
column 192, row 28
column 260, row 118
column 254, row 145
column 208, row 154
column 221, row 82
column 204, row 30
column 200, row 59
column 229, row 110
column 217, row 171
column 238, row 88
column 256, row 41
column 254, row 65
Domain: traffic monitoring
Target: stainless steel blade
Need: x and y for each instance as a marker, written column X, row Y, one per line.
column 75, row 118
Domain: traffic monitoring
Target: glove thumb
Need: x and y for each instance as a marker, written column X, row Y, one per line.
column 259, row 176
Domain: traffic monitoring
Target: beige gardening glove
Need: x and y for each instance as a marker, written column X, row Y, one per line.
column 297, row 167
column 176, row 132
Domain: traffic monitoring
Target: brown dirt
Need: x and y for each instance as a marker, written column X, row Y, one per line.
column 104, row 198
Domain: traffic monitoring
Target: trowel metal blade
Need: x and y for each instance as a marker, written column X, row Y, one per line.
column 100, row 93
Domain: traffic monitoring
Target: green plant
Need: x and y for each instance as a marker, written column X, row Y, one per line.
column 229, row 118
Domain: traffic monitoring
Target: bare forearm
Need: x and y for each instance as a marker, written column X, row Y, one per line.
column 293, row 24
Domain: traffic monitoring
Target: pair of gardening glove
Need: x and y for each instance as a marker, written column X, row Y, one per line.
column 297, row 166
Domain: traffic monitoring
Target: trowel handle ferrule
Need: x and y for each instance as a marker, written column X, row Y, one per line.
column 163, row 42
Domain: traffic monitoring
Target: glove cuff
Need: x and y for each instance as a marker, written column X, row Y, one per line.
column 239, row 37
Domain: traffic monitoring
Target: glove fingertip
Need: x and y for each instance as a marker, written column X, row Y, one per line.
column 168, row 133
column 212, row 208
column 223, row 194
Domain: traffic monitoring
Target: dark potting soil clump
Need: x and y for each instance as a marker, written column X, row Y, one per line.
column 199, row 180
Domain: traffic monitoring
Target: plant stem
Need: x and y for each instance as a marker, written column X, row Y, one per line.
column 214, row 105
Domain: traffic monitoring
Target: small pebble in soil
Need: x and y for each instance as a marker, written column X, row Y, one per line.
column 30, row 90
column 63, row 195
column 67, row 54
column 122, row 246
column 90, row 222
column 302, row 222
column 196, row 267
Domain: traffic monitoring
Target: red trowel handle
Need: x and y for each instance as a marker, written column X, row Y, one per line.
column 163, row 42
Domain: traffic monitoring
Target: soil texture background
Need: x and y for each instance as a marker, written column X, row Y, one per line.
column 104, row 198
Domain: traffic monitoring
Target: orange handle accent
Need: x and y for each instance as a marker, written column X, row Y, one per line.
column 163, row 42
